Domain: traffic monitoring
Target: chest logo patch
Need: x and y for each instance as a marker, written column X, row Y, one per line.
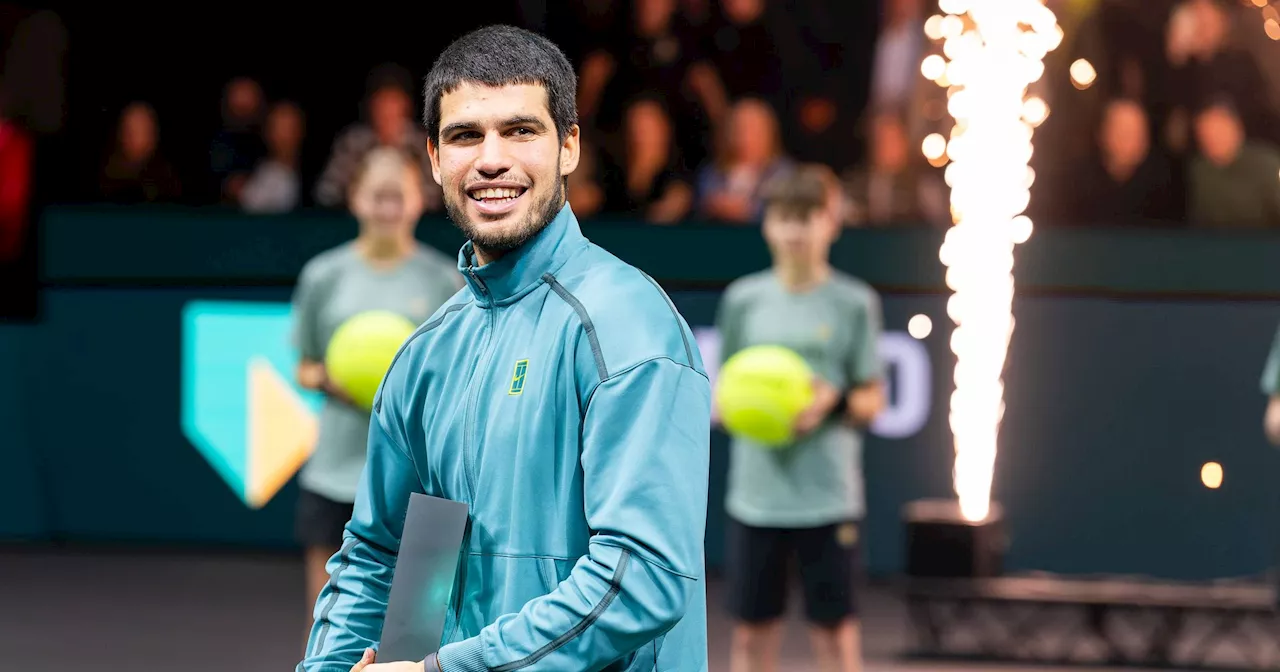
column 517, row 379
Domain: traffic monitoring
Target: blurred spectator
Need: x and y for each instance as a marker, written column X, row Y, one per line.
column 649, row 180
column 33, row 73
column 1206, row 65
column 16, row 157
column 657, row 54
column 1234, row 182
column 237, row 147
column 584, row 191
column 896, row 81
column 135, row 172
column 758, row 52
column 1126, row 178
column 389, row 123
column 895, row 185
column 275, row 185
column 749, row 154
column 899, row 50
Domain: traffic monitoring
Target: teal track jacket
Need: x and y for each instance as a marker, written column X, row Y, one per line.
column 561, row 396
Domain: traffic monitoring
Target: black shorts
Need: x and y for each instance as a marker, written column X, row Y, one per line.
column 761, row 561
column 319, row 521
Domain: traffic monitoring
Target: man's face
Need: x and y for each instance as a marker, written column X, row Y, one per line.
column 742, row 12
column 752, row 129
column 137, row 134
column 796, row 240
column 889, row 144
column 244, row 99
column 1220, row 135
column 501, row 163
column 648, row 131
column 389, row 114
column 1124, row 134
column 284, row 129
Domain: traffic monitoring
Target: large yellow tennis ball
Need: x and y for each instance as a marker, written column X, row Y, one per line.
column 760, row 390
column 361, row 351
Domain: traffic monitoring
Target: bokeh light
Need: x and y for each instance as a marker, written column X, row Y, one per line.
column 1035, row 111
column 1082, row 74
column 933, row 27
column 920, row 326
column 1211, row 475
column 934, row 146
column 933, row 67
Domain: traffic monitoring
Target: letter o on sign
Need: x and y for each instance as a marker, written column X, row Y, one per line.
column 908, row 386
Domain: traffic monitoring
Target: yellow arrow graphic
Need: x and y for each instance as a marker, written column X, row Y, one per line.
column 282, row 433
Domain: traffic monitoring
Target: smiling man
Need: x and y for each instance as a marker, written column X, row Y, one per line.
column 560, row 395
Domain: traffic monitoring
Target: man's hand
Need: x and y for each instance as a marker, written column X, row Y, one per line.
column 366, row 664
column 825, row 398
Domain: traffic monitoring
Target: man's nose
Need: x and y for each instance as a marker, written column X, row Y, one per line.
column 493, row 159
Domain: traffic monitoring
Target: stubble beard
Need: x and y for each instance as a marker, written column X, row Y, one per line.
column 496, row 242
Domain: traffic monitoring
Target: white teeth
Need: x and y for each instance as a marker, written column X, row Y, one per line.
column 495, row 193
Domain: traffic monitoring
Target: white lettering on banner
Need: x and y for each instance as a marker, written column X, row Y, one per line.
column 908, row 385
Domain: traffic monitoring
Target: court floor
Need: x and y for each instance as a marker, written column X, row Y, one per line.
column 115, row 611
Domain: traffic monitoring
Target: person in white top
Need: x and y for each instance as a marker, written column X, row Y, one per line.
column 274, row 186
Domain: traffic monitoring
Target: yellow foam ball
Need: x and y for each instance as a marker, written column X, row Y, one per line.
column 361, row 350
column 760, row 390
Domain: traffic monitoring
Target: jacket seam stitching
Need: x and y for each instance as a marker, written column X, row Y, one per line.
column 647, row 561
column 618, row 374
column 335, row 593
column 615, row 587
column 421, row 330
column 518, row 556
column 587, row 325
column 688, row 352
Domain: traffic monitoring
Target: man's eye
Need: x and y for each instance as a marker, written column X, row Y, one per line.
column 523, row 130
column 466, row 135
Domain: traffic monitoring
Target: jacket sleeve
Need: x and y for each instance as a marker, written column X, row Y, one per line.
column 348, row 614
column 645, row 436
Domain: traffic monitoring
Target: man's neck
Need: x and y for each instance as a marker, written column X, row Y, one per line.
column 484, row 257
column 802, row 277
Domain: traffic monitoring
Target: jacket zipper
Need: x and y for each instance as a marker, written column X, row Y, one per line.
column 469, row 447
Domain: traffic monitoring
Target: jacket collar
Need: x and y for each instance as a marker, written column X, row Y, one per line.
column 519, row 271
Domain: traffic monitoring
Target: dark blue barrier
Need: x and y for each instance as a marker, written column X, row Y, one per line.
column 1113, row 403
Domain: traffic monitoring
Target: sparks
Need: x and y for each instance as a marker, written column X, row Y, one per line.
column 995, row 50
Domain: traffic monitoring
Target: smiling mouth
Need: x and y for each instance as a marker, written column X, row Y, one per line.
column 496, row 195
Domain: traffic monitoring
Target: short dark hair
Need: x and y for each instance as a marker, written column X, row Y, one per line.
column 799, row 192
column 503, row 55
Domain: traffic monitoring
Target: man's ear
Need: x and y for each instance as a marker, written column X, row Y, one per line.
column 433, row 151
column 571, row 150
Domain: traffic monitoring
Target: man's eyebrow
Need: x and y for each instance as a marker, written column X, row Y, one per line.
column 455, row 127
column 521, row 120
column 524, row 121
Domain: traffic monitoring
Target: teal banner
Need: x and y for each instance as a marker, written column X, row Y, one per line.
column 153, row 401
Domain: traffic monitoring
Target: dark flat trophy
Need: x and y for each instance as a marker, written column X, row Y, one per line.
column 422, row 584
